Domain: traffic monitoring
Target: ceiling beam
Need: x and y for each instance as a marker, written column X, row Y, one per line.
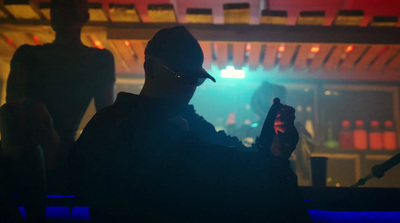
column 264, row 33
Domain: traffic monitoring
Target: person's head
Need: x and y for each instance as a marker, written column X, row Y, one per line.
column 262, row 98
column 68, row 15
column 173, row 66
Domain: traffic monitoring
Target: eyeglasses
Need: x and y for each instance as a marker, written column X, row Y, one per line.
column 186, row 80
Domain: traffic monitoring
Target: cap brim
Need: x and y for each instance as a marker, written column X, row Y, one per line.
column 204, row 74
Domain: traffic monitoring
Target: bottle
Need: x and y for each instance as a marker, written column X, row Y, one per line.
column 346, row 136
column 330, row 141
column 360, row 136
column 299, row 114
column 375, row 136
column 389, row 136
column 230, row 124
column 309, row 123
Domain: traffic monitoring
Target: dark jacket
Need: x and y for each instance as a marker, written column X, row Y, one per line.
column 134, row 162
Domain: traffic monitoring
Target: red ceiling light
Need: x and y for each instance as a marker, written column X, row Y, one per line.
column 8, row 41
column 349, row 48
column 315, row 49
column 127, row 43
column 36, row 40
column 281, row 49
column 98, row 44
column 248, row 47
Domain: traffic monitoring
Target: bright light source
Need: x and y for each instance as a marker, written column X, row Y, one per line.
column 98, row 44
column 314, row 49
column 215, row 46
column 281, row 49
column 36, row 40
column 248, row 47
column 127, row 43
column 349, row 48
column 11, row 43
column 230, row 72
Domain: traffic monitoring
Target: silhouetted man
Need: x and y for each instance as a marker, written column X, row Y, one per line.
column 151, row 158
column 51, row 86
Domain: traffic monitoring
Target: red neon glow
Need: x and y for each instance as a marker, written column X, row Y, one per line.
column 127, row 43
column 314, row 49
column 281, row 49
column 248, row 47
column 375, row 123
column 215, row 47
column 349, row 48
column 98, row 44
column 36, row 40
column 11, row 43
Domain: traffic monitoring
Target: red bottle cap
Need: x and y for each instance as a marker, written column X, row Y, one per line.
column 388, row 123
column 345, row 123
column 359, row 123
column 375, row 123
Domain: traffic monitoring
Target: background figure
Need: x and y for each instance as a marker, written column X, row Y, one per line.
column 61, row 78
column 260, row 104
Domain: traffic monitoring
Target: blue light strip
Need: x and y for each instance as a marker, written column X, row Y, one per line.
column 316, row 215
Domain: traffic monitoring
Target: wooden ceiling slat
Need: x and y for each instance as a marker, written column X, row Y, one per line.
column 161, row 13
column 19, row 38
column 120, row 66
column 286, row 58
column 44, row 8
column 207, row 51
column 45, row 37
column 126, row 54
column 222, row 54
column 238, row 54
column 86, row 40
column 352, row 57
column 6, row 49
column 237, row 13
column 97, row 12
column 199, row 15
column 383, row 59
column 363, row 64
column 394, row 65
column 254, row 55
column 270, row 55
column 301, row 59
column 22, row 9
column 273, row 17
column 139, row 47
column 3, row 13
column 314, row 18
column 319, row 58
column 349, row 18
column 123, row 13
column 335, row 57
column 384, row 21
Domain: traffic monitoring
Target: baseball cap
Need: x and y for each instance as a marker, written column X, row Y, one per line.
column 179, row 50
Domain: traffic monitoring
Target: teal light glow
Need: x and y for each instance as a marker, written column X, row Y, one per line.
column 230, row 72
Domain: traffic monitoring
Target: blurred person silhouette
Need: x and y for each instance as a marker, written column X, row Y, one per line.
column 152, row 158
column 300, row 158
column 48, row 91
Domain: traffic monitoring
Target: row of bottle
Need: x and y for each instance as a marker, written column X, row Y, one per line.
column 374, row 139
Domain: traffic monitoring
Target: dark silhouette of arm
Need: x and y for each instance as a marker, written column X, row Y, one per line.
column 105, row 94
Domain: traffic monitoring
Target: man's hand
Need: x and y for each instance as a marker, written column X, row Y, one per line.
column 286, row 137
